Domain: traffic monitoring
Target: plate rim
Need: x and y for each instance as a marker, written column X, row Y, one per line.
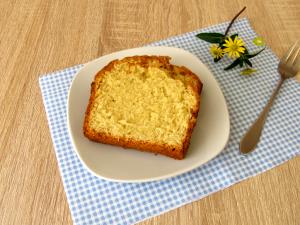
column 155, row 178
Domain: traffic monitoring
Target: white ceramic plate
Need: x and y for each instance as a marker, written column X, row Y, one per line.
column 116, row 164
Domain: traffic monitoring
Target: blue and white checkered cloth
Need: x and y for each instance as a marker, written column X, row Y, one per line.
column 96, row 201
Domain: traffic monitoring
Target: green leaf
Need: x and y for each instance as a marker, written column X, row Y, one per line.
column 249, row 56
column 221, row 44
column 233, row 36
column 211, row 37
column 248, row 62
column 259, row 41
column 234, row 64
column 241, row 63
column 248, row 71
column 217, row 60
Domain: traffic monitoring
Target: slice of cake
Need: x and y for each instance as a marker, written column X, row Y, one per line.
column 145, row 103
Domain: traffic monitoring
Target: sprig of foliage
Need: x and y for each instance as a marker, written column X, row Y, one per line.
column 232, row 46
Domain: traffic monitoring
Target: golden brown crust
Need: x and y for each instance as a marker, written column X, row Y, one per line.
column 176, row 152
column 196, row 85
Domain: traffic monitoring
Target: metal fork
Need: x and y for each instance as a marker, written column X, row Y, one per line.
column 288, row 67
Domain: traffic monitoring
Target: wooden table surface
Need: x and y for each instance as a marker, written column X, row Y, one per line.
column 39, row 36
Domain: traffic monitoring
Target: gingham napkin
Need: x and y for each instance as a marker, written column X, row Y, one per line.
column 96, row 201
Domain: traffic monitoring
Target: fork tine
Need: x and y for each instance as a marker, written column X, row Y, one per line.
column 295, row 56
column 297, row 65
column 291, row 50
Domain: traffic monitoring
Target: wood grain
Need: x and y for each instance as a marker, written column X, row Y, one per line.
column 37, row 37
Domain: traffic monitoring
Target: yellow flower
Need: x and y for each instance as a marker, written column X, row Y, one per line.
column 248, row 71
column 216, row 51
column 234, row 48
column 259, row 41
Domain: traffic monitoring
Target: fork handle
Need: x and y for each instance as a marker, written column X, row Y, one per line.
column 251, row 138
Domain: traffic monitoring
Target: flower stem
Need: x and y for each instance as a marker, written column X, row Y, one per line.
column 232, row 21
